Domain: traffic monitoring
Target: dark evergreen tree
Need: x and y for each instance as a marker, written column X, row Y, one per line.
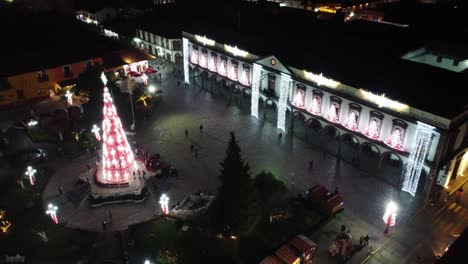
column 235, row 210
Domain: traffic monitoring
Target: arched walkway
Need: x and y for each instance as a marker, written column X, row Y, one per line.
column 313, row 127
column 330, row 139
column 299, row 123
column 349, row 147
column 368, row 159
column 268, row 111
column 391, row 168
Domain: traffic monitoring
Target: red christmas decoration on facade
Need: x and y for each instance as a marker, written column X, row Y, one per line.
column 117, row 157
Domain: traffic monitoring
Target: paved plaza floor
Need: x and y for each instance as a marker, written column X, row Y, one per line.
column 365, row 196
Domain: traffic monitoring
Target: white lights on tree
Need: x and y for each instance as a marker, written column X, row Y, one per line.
column 332, row 114
column 212, row 64
column 52, row 211
column 351, row 122
column 69, row 97
column 30, row 172
column 194, row 56
column 117, row 156
column 204, row 40
column 314, row 107
column 320, row 80
column 104, row 78
column 203, row 60
column 95, row 130
column 186, row 60
column 222, row 68
column 383, row 101
column 298, row 100
column 257, row 70
column 395, row 140
column 235, row 51
column 417, row 157
column 164, row 202
column 373, row 130
column 283, row 101
column 244, row 79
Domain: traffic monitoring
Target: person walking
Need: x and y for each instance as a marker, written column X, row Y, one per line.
column 336, row 191
column 104, row 224
column 134, row 175
column 186, row 133
column 178, row 83
column 191, row 148
column 61, row 191
column 366, row 240
column 201, row 129
column 109, row 212
column 196, row 153
column 311, row 164
column 458, row 195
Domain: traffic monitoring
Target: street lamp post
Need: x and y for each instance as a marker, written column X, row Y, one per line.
column 69, row 97
column 164, row 202
column 95, row 130
column 390, row 215
column 133, row 112
column 52, row 211
column 30, row 172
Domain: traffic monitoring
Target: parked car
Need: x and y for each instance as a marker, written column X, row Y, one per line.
column 28, row 157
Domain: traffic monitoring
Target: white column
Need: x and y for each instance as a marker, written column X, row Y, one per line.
column 257, row 70
column 283, row 101
column 186, row 60
column 417, row 157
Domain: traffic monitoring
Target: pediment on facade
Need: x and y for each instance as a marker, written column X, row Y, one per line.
column 273, row 63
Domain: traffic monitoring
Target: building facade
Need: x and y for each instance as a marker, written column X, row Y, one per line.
column 41, row 83
column 96, row 16
column 310, row 104
column 169, row 49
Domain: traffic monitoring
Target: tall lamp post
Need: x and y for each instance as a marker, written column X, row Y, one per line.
column 30, row 172
column 390, row 215
column 52, row 211
column 164, row 202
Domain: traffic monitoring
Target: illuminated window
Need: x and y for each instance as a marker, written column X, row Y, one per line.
column 271, row 82
column 222, row 69
column 397, row 134
column 194, row 56
column 299, row 96
column 315, row 106
column 233, row 70
column 352, row 122
column 245, row 75
column 375, row 124
column 212, row 62
column 204, row 58
column 333, row 114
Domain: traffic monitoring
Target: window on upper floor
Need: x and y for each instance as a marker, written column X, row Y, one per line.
column 67, row 72
column 42, row 76
column 4, row 84
column 89, row 64
column 456, row 62
column 439, row 59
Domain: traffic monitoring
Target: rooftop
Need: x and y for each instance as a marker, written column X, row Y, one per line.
column 43, row 41
column 360, row 54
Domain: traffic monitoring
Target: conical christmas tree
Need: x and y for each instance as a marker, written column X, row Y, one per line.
column 117, row 157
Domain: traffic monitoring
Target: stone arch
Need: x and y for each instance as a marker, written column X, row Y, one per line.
column 247, row 93
column 331, row 132
column 350, row 139
column 349, row 147
column 391, row 168
column 314, row 124
column 299, row 116
column 370, row 149
column 270, row 104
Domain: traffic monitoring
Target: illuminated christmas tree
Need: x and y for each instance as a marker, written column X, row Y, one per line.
column 332, row 114
column 117, row 157
column 395, row 140
column 314, row 108
column 212, row 65
column 299, row 99
column 233, row 73
column 373, row 130
column 194, row 57
column 222, row 68
column 203, row 60
column 351, row 123
column 244, row 79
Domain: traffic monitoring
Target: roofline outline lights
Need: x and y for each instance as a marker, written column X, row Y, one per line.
column 235, row 51
column 321, row 80
column 204, row 40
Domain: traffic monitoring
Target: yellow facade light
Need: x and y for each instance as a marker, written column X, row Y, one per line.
column 320, row 79
column 235, row 51
column 383, row 101
column 204, row 40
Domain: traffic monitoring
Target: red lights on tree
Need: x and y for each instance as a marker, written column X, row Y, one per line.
column 117, row 157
